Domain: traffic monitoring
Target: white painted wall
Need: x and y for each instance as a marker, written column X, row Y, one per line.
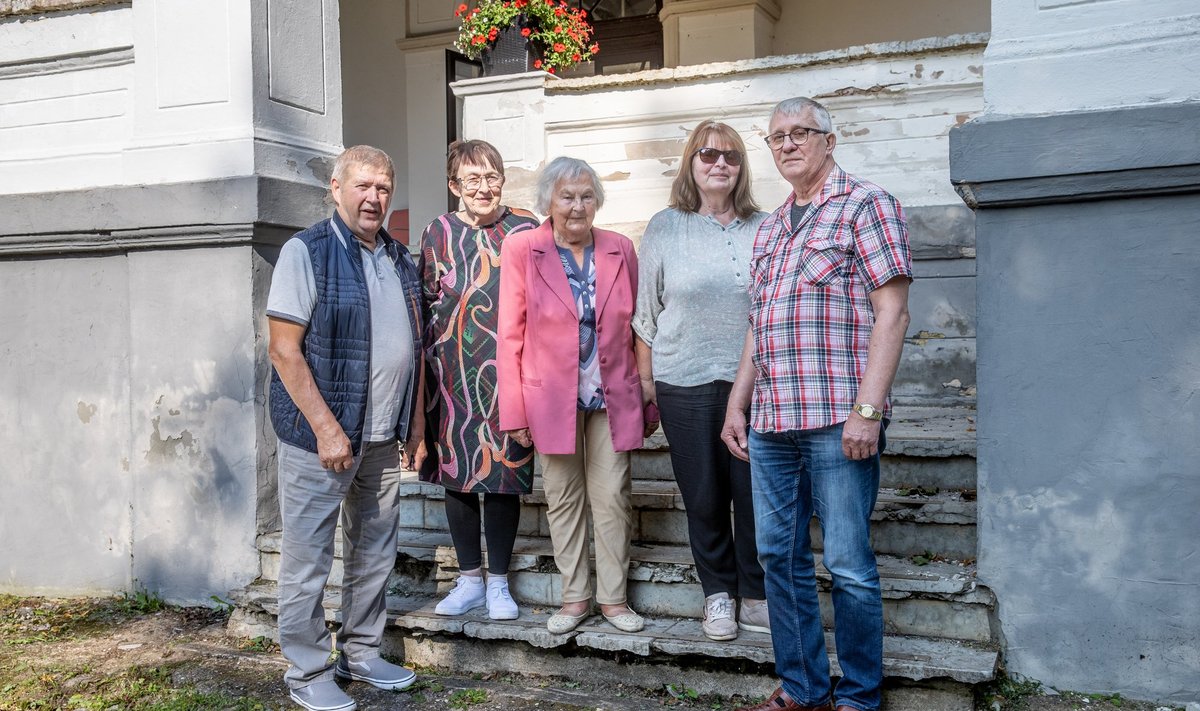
column 168, row 91
column 1051, row 56
column 893, row 115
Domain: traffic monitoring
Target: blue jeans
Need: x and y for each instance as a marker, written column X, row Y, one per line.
column 798, row 474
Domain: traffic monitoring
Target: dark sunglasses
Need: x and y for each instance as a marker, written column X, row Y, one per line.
column 710, row 156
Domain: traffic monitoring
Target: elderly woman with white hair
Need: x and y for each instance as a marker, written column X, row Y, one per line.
column 569, row 385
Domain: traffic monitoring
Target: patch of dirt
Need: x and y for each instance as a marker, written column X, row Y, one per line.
column 114, row 655
column 137, row 654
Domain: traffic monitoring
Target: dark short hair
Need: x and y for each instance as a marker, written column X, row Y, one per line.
column 473, row 151
column 685, row 194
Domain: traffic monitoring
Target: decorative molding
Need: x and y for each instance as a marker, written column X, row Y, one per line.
column 124, row 240
column 37, row 7
column 109, row 57
column 1000, row 161
column 671, row 8
column 106, row 219
column 296, row 54
column 503, row 83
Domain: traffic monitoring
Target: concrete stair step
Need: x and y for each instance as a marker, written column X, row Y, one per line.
column 665, row 640
column 939, row 598
column 927, row 446
column 906, row 522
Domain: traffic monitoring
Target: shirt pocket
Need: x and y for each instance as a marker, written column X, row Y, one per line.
column 823, row 262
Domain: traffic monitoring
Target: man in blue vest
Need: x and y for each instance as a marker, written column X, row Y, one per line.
column 344, row 313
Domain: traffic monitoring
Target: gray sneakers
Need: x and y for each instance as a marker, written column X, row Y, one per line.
column 323, row 696
column 752, row 616
column 377, row 672
column 718, row 618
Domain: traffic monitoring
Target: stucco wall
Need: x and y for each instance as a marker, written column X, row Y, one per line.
column 127, row 411
column 1083, row 170
column 1089, row 378
column 818, row 25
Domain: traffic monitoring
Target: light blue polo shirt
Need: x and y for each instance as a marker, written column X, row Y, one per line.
column 293, row 296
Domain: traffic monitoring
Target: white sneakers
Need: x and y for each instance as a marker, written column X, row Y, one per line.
column 468, row 594
column 500, row 604
column 471, row 592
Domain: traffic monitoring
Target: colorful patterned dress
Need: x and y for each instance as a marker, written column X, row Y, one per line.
column 460, row 273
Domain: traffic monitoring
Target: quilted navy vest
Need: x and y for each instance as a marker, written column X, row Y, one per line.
column 337, row 344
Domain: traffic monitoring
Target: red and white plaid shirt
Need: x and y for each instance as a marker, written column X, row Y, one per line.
column 810, row 310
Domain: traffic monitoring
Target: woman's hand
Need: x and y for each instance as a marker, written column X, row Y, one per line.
column 413, row 454
column 521, row 437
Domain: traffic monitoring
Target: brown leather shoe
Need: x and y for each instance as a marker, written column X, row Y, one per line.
column 780, row 701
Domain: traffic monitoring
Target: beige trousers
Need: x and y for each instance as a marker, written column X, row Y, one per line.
column 597, row 477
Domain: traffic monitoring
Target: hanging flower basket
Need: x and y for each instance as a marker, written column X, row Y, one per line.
column 553, row 36
column 511, row 53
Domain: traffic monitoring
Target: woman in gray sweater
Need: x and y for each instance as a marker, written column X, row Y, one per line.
column 692, row 308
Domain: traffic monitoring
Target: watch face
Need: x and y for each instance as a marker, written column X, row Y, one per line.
column 867, row 411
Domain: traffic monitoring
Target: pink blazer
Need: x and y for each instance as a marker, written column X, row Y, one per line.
column 538, row 358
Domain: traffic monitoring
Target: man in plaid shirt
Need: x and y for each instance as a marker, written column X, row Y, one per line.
column 829, row 311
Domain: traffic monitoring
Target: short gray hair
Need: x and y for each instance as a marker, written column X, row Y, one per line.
column 802, row 104
column 565, row 168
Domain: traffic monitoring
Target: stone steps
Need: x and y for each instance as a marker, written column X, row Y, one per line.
column 939, row 620
column 665, row 640
column 941, row 595
column 906, row 522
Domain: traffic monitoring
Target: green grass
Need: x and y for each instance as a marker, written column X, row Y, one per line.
column 1009, row 692
column 463, row 698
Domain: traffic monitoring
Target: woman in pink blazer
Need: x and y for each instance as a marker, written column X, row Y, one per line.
column 569, row 385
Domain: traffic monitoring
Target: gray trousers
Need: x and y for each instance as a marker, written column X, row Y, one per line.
column 310, row 498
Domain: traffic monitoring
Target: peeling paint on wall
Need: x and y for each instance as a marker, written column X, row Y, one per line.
column 164, row 448
column 86, row 412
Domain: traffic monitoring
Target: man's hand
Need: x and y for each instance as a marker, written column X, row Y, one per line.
column 733, row 434
column 333, row 448
column 413, row 454
column 521, row 437
column 860, row 437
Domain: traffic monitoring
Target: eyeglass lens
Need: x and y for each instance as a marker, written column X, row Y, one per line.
column 799, row 137
column 710, row 155
column 471, row 182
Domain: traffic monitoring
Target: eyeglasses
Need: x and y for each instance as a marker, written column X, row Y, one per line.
column 709, row 156
column 472, row 182
column 799, row 137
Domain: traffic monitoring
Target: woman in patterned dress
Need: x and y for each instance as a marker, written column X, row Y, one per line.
column 470, row 456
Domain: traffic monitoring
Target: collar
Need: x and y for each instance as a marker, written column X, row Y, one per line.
column 836, row 183
column 345, row 235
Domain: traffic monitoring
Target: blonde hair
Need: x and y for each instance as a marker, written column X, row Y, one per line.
column 685, row 194
column 362, row 155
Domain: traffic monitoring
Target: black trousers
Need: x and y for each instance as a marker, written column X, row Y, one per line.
column 501, row 515
column 711, row 480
